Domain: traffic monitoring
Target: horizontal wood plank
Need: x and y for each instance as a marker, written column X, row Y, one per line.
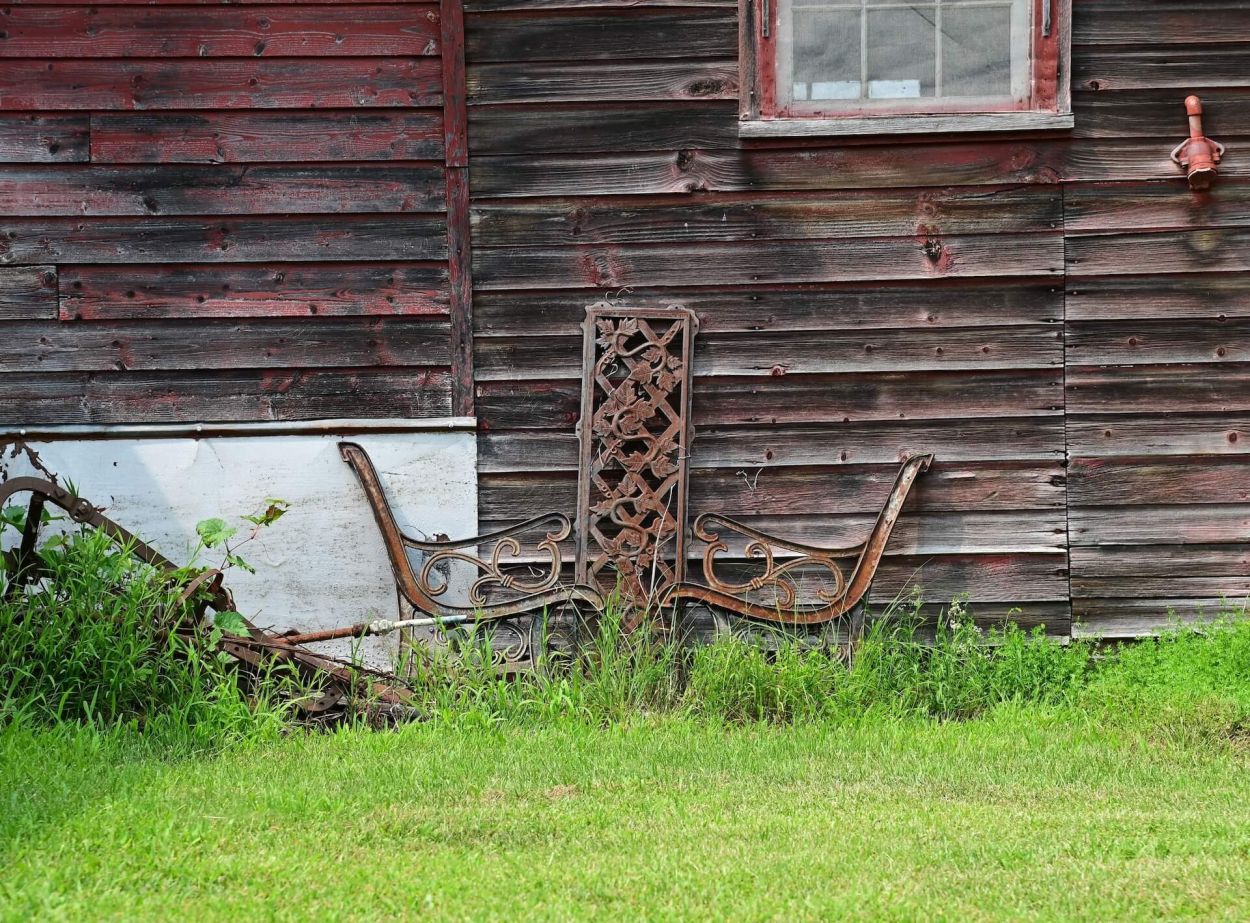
column 1160, row 561
column 869, row 166
column 1151, row 525
column 743, row 401
column 1130, row 160
column 573, row 35
column 206, row 3
column 761, row 217
column 244, row 83
column 614, row 81
column 948, row 487
column 1140, row 342
column 1194, row 480
column 1161, row 22
column 762, row 169
column 1155, row 112
column 1157, row 297
column 931, row 305
column 41, row 138
column 982, row 580
column 496, row 6
column 28, row 293
column 600, row 128
column 1152, row 433
column 1193, row 388
column 775, row 355
column 223, row 344
column 916, row 534
column 220, row 190
column 1134, row 618
column 1184, row 67
column 610, row 266
column 1234, row 587
column 1008, row 439
column 281, row 290
column 265, row 136
column 228, row 397
column 1207, row 250
column 223, row 31
column 25, row 241
column 1146, row 206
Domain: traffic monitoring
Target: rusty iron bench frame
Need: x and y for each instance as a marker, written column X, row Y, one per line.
column 841, row 593
column 420, row 588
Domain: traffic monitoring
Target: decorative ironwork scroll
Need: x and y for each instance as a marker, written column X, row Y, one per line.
column 518, row 576
column 635, row 436
column 773, row 571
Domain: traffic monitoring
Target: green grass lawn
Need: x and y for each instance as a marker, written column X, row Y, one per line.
column 1027, row 813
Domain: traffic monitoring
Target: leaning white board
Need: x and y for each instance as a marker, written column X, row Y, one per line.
column 323, row 564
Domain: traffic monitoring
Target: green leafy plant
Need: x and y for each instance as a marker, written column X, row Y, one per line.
column 215, row 534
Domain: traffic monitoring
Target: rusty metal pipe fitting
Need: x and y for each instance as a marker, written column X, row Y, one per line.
column 1197, row 154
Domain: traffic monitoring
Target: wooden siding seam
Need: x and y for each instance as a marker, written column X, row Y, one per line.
column 459, row 231
column 1063, row 397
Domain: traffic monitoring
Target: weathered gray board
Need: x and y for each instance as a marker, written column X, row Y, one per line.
column 323, row 564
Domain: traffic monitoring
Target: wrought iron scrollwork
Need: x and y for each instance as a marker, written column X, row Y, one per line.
column 779, row 576
column 496, row 571
column 635, row 434
column 848, row 571
column 532, row 581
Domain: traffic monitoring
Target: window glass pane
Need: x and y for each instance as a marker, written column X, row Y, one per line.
column 892, row 55
column 976, row 50
column 826, row 54
column 902, row 52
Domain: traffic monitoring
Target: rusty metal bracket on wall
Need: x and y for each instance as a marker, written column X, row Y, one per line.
column 1197, row 155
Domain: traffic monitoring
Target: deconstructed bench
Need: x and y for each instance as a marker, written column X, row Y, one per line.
column 782, row 562
column 837, row 592
column 631, row 535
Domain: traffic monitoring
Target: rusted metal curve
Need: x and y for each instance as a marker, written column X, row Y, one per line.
column 847, row 592
column 81, row 511
column 420, row 589
column 564, row 528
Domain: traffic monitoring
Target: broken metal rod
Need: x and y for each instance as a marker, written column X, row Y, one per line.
column 365, row 629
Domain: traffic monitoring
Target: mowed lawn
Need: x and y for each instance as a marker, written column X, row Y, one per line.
column 1024, row 814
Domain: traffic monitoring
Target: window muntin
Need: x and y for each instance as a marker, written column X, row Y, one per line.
column 840, row 58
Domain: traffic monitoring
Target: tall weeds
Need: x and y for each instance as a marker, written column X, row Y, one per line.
column 91, row 642
column 902, row 669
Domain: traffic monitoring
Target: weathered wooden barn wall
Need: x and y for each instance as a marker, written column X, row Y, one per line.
column 222, row 212
column 217, row 211
column 1158, row 320
column 863, row 300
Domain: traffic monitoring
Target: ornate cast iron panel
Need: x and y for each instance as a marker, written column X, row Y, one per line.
column 635, row 441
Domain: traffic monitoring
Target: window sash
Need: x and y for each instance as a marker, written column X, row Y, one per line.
column 1032, row 70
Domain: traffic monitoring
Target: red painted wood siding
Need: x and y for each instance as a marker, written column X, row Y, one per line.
column 223, row 212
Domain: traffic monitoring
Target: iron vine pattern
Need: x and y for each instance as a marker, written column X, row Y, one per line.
column 635, row 441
